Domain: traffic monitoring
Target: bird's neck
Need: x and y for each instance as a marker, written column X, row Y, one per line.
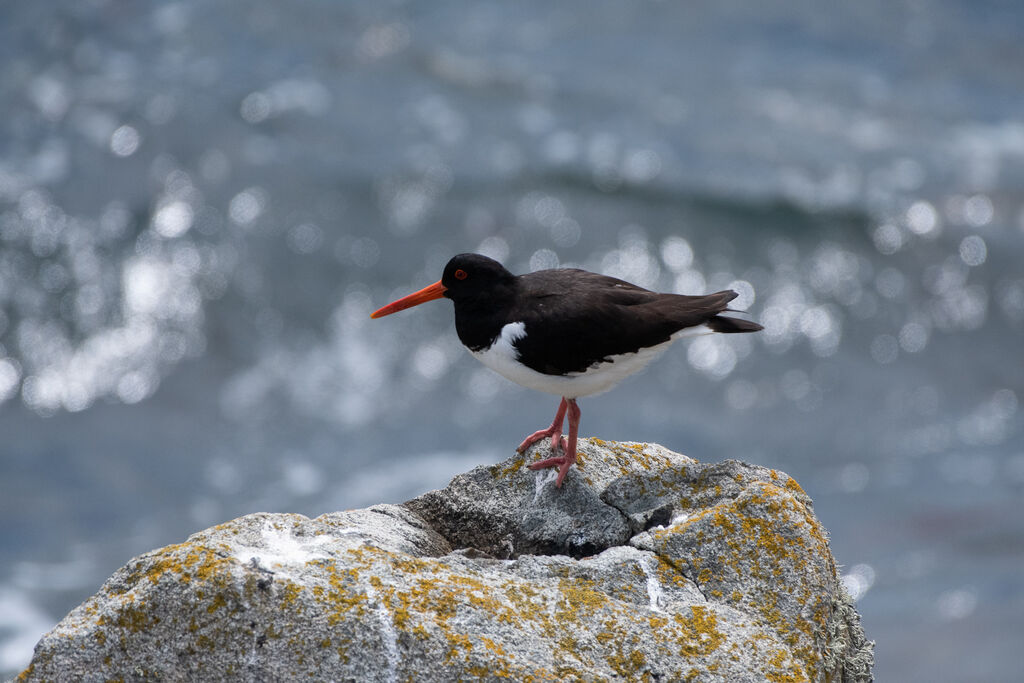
column 479, row 320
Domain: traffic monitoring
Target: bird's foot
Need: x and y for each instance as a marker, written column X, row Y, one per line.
column 562, row 462
column 556, row 440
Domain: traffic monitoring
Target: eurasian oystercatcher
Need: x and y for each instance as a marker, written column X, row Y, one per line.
column 566, row 332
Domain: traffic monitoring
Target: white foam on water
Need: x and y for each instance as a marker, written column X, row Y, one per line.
column 22, row 624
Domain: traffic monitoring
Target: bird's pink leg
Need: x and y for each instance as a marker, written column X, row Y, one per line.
column 554, row 431
column 564, row 462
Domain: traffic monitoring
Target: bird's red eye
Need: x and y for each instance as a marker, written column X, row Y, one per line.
column 460, row 274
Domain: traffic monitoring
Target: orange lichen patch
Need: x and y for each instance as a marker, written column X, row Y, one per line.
column 217, row 603
column 581, row 598
column 627, row 661
column 657, row 621
column 766, row 534
column 135, row 620
column 512, row 466
column 185, row 561
column 785, row 670
column 793, row 486
column 700, row 634
column 340, row 599
column 493, row 647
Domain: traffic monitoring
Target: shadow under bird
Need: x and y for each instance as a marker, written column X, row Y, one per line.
column 566, row 331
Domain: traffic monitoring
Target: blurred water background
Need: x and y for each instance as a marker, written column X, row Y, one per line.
column 201, row 202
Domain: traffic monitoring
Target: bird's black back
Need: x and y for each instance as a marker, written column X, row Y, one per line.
column 575, row 319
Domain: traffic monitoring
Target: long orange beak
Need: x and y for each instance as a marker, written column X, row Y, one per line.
column 434, row 291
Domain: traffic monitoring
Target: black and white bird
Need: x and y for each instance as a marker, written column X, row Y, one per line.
column 566, row 332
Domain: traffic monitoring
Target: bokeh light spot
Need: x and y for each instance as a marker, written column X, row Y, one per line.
column 494, row 247
column 9, row 377
column 922, row 218
column 676, row 253
column 745, row 295
column 125, row 141
column 711, row 356
column 913, row 337
column 978, row 210
column 305, row 238
column 973, row 250
column 543, row 259
column 173, row 219
column 566, row 232
column 887, row 238
column 246, row 206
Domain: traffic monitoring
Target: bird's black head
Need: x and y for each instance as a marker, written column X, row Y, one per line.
column 470, row 278
column 471, row 281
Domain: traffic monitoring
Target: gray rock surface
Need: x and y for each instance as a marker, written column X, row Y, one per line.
column 645, row 565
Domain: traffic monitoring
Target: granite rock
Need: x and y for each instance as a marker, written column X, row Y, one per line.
column 645, row 565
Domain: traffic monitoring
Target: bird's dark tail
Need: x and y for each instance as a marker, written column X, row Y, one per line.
column 720, row 323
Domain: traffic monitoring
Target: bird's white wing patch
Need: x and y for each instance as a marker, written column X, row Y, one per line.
column 502, row 355
column 510, row 334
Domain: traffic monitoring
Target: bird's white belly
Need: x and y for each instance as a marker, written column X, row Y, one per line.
column 502, row 357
